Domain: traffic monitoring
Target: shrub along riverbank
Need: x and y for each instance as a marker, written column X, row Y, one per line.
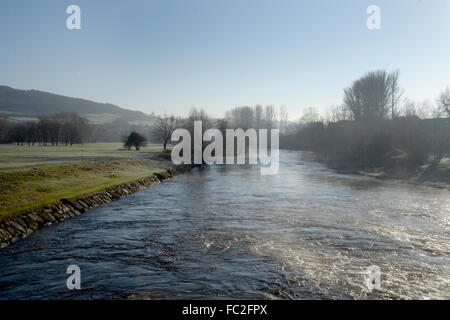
column 403, row 148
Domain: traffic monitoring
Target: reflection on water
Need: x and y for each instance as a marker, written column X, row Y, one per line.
column 228, row 232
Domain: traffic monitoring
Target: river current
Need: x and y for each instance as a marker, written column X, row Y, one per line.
column 228, row 232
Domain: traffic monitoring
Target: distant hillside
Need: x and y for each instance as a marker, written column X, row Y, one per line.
column 29, row 104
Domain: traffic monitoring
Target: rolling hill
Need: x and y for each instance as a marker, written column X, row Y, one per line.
column 21, row 105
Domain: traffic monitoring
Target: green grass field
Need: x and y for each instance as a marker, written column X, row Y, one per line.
column 31, row 177
column 13, row 156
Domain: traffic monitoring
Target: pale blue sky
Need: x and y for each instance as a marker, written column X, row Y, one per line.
column 171, row 55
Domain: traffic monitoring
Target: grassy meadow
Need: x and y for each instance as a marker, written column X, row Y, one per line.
column 31, row 177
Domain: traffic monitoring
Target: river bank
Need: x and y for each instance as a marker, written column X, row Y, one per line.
column 34, row 180
column 426, row 175
column 16, row 227
column 31, row 177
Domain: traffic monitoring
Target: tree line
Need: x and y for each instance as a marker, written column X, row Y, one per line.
column 243, row 117
column 371, row 130
column 58, row 129
column 374, row 126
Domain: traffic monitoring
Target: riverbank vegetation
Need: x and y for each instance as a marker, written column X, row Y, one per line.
column 376, row 130
column 31, row 177
column 375, row 133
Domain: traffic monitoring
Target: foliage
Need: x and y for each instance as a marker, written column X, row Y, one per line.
column 136, row 140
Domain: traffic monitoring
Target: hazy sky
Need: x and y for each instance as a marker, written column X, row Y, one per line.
column 169, row 56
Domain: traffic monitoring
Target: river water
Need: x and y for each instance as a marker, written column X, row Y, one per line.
column 228, row 232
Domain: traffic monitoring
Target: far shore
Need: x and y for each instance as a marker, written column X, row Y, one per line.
column 437, row 177
column 426, row 175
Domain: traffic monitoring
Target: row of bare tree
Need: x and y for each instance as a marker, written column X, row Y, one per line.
column 258, row 117
column 245, row 117
column 60, row 128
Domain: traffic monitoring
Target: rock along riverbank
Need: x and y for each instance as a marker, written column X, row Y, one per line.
column 15, row 228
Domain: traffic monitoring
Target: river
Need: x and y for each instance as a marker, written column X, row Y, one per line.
column 228, row 232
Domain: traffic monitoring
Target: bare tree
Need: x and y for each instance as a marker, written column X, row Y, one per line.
column 409, row 108
column 283, row 119
column 68, row 128
column 189, row 124
column 5, row 126
column 368, row 98
column 18, row 133
column 32, row 132
column 444, row 101
column 247, row 117
column 164, row 128
column 240, row 117
column 43, row 124
column 423, row 110
column 197, row 115
column 339, row 113
column 270, row 117
column 54, row 130
column 259, row 115
column 222, row 125
column 353, row 103
column 395, row 92
column 310, row 115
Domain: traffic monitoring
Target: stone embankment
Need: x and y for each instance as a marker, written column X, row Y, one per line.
column 18, row 227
